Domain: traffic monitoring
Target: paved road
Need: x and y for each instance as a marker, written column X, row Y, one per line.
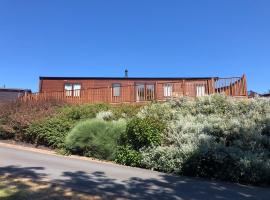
column 113, row 181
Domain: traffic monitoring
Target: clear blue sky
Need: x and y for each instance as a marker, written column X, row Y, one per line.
column 149, row 37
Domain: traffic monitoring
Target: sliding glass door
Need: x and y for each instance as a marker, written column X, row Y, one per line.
column 140, row 88
column 145, row 92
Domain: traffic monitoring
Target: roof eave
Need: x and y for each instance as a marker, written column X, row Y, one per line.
column 121, row 78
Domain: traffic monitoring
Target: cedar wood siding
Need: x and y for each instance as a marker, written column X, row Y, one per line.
column 51, row 84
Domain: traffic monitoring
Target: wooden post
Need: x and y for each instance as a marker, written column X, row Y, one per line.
column 245, row 85
column 231, row 92
column 132, row 92
column 109, row 94
column 184, row 87
column 156, row 91
column 213, row 88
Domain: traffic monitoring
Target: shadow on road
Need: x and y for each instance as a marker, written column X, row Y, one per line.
column 167, row 187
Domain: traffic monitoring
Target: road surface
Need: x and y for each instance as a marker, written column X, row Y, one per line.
column 113, row 181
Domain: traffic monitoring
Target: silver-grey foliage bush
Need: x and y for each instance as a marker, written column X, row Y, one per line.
column 214, row 136
column 105, row 115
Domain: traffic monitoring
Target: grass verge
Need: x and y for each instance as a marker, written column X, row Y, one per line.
column 25, row 189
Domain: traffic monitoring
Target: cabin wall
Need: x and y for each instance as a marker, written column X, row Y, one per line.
column 181, row 87
column 99, row 90
column 9, row 96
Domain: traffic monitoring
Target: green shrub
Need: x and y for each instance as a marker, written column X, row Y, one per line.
column 143, row 133
column 50, row 132
column 125, row 111
column 96, row 138
column 213, row 163
column 53, row 130
column 4, row 134
column 86, row 111
column 125, row 155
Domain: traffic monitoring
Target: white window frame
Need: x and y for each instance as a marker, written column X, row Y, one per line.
column 73, row 89
column 200, row 90
column 68, row 89
column 116, row 89
column 140, row 91
column 150, row 92
column 168, row 89
column 77, row 89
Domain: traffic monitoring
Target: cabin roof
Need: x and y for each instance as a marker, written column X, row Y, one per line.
column 14, row 90
column 122, row 78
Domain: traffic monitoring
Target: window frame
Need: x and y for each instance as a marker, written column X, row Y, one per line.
column 144, row 93
column 150, row 91
column 166, row 92
column 77, row 92
column 72, row 92
column 116, row 87
column 68, row 93
column 200, row 93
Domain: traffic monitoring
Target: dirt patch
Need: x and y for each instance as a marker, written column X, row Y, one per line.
column 24, row 144
column 25, row 189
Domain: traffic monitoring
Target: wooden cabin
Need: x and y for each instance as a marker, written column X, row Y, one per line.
column 12, row 94
column 134, row 89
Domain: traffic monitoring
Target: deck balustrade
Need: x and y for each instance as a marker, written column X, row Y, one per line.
column 159, row 91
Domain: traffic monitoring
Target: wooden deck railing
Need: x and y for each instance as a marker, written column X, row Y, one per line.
column 235, row 86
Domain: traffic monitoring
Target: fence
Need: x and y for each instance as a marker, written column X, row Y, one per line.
column 142, row 92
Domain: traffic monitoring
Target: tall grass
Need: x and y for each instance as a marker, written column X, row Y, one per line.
column 96, row 138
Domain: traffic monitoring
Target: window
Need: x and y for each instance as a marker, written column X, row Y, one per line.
column 168, row 89
column 77, row 90
column 140, row 95
column 145, row 92
column 73, row 90
column 200, row 90
column 150, row 92
column 68, row 89
column 116, row 89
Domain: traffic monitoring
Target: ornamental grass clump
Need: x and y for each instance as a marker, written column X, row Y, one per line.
column 95, row 138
